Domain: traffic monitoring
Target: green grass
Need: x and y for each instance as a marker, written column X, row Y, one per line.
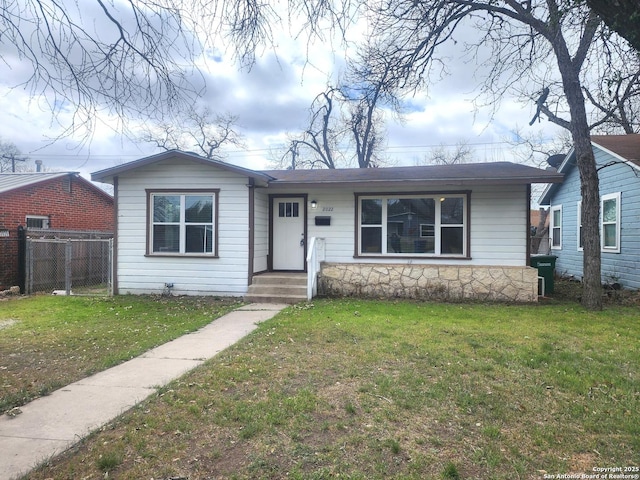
column 47, row 342
column 369, row 389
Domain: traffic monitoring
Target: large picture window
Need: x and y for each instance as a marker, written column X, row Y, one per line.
column 183, row 223
column 415, row 225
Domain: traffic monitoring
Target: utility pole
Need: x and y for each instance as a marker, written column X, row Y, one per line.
column 14, row 159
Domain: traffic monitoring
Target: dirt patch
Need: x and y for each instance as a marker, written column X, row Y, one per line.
column 7, row 323
column 568, row 290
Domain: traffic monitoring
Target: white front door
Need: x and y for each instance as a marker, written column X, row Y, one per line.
column 288, row 233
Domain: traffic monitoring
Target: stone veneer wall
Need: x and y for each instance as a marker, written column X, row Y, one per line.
column 429, row 282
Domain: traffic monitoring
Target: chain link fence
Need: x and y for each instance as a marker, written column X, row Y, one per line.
column 69, row 266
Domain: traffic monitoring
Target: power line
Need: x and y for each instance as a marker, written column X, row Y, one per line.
column 254, row 151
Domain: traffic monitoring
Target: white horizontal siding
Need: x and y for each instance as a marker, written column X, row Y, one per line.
column 261, row 231
column 498, row 225
column 226, row 275
column 339, row 236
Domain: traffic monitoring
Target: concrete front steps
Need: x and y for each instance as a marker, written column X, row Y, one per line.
column 278, row 287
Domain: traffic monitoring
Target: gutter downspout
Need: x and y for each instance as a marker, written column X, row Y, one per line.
column 251, row 239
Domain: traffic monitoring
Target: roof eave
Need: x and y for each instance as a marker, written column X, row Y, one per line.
column 628, row 161
column 455, row 182
column 107, row 175
column 36, row 181
column 549, row 191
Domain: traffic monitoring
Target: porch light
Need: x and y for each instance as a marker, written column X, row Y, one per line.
column 314, row 204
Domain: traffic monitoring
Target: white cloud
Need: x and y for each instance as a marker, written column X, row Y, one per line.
column 270, row 99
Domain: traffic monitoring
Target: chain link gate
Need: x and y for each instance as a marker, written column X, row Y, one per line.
column 69, row 266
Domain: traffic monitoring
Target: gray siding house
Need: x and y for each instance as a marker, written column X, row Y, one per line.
column 211, row 228
column 618, row 160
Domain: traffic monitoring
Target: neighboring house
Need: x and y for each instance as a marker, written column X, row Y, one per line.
column 618, row 161
column 60, row 201
column 207, row 227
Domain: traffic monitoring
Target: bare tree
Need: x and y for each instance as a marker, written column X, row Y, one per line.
column 344, row 118
column 370, row 87
column 11, row 159
column 95, row 56
column 202, row 131
column 617, row 100
column 365, row 123
column 317, row 146
column 535, row 147
column 444, row 155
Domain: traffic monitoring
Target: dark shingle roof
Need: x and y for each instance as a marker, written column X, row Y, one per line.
column 107, row 175
column 460, row 174
column 463, row 174
column 625, row 146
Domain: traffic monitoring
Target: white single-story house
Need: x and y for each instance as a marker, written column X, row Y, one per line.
column 204, row 227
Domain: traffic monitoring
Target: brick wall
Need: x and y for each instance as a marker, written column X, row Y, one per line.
column 70, row 203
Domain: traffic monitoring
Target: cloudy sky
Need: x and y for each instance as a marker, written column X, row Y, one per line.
column 271, row 100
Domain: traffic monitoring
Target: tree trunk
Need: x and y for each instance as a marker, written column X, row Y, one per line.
column 622, row 16
column 590, row 188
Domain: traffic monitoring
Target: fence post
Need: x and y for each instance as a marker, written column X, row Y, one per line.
column 67, row 267
column 110, row 269
column 22, row 259
column 29, row 266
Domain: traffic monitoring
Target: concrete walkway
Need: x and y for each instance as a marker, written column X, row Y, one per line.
column 49, row 425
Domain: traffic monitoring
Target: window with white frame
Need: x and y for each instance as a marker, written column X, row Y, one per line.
column 556, row 227
column 610, row 222
column 416, row 225
column 183, row 223
column 37, row 221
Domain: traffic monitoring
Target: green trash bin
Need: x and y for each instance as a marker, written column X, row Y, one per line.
column 546, row 265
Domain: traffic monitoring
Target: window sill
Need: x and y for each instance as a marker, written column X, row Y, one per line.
column 413, row 257
column 179, row 255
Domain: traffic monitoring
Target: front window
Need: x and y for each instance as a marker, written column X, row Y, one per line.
column 610, row 222
column 412, row 225
column 556, row 228
column 183, row 223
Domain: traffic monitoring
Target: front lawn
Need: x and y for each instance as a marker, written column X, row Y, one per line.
column 47, row 342
column 369, row 389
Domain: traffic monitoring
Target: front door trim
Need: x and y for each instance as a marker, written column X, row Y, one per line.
column 272, row 197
